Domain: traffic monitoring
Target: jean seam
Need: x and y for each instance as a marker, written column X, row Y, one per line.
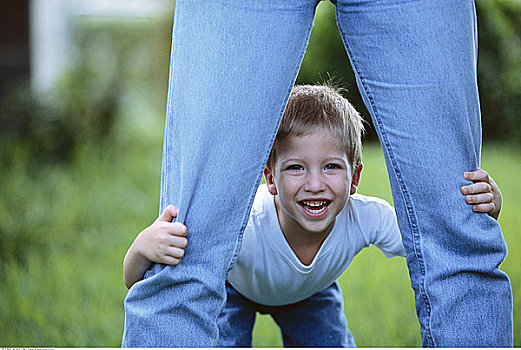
column 403, row 189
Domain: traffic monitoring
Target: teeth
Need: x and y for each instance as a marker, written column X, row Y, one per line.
column 315, row 203
column 315, row 207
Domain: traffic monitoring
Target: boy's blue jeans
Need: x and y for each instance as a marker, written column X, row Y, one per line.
column 233, row 64
column 318, row 321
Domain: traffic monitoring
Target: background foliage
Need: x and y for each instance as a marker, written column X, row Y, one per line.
column 80, row 171
column 499, row 65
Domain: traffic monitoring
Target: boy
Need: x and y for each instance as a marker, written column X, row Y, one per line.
column 305, row 227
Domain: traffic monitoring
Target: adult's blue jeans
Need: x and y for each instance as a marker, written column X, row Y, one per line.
column 318, row 321
column 233, row 64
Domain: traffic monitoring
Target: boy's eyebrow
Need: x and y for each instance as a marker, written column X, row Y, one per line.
column 291, row 160
column 338, row 159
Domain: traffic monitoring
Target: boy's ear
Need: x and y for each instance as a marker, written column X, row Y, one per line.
column 268, row 175
column 356, row 178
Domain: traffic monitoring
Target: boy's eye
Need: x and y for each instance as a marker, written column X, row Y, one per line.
column 294, row 167
column 332, row 166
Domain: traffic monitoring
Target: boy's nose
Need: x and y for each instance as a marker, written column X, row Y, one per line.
column 315, row 182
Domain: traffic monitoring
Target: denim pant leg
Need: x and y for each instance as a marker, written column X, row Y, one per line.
column 318, row 321
column 415, row 62
column 236, row 320
column 233, row 64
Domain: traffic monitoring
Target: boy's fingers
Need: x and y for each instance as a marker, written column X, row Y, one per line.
column 168, row 213
column 179, row 242
column 173, row 228
column 170, row 260
column 172, row 257
column 479, row 187
column 479, row 198
column 178, row 229
column 484, row 208
column 177, row 253
column 469, row 175
column 478, row 175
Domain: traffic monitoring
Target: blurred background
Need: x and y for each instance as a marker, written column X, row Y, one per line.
column 82, row 101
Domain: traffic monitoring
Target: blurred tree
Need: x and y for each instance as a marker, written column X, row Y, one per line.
column 14, row 43
column 499, row 65
column 499, row 68
column 116, row 63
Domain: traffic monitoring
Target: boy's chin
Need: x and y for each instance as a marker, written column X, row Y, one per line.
column 318, row 229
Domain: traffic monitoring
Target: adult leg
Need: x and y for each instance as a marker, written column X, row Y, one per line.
column 233, row 64
column 236, row 320
column 318, row 321
column 415, row 62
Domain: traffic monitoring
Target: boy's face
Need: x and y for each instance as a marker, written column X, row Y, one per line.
column 312, row 180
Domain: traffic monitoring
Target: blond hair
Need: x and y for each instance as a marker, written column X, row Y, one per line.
column 320, row 109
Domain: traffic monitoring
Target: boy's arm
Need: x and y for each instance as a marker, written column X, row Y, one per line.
column 387, row 237
column 134, row 266
column 162, row 242
column 484, row 195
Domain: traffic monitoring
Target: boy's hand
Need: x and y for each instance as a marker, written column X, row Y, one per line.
column 484, row 195
column 164, row 241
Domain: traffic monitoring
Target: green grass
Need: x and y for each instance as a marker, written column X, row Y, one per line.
column 66, row 229
column 65, row 286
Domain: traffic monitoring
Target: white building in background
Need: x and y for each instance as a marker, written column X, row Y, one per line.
column 52, row 24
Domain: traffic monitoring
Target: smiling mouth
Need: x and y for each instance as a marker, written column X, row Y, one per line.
column 315, row 208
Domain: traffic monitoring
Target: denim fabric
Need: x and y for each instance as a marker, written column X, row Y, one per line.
column 318, row 321
column 233, row 64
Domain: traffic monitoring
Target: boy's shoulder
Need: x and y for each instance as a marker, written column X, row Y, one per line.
column 369, row 205
column 376, row 221
column 262, row 195
column 361, row 199
column 262, row 203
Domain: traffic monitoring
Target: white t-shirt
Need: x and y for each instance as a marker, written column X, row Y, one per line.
column 268, row 272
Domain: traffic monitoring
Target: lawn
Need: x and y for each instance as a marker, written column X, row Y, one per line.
column 66, row 228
